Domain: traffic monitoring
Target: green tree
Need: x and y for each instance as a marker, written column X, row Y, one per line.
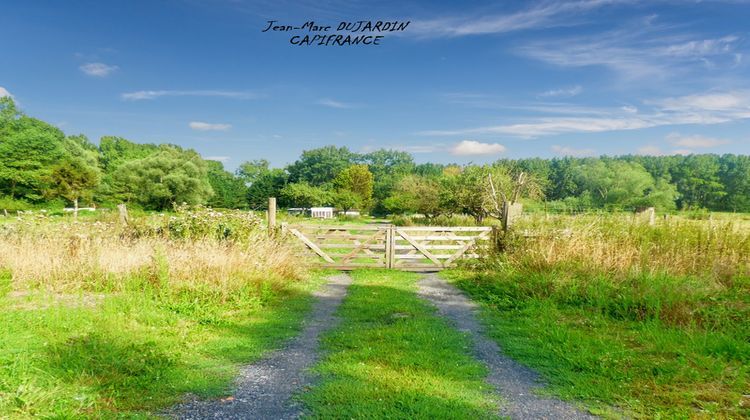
column 251, row 171
column 29, row 148
column 697, row 180
column 346, row 200
column 621, row 184
column 164, row 178
column 416, row 194
column 230, row 191
column 734, row 174
column 267, row 184
column 302, row 194
column 357, row 179
column 320, row 166
column 73, row 179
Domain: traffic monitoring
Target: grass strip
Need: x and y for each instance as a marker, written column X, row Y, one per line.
column 393, row 357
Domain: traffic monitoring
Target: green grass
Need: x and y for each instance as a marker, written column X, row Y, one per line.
column 134, row 352
column 393, row 357
column 651, row 347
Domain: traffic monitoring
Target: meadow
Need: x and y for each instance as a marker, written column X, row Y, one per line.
column 100, row 318
column 635, row 320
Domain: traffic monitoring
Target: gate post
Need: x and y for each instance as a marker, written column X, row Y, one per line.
column 390, row 246
column 271, row 215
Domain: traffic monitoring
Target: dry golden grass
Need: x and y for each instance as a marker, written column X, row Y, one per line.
column 64, row 256
column 618, row 245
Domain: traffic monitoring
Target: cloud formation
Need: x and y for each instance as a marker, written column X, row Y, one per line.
column 570, row 151
column 4, row 92
column 336, row 104
column 98, row 69
column 695, row 141
column 543, row 15
column 638, row 51
column 709, row 108
column 142, row 95
column 564, row 92
column 472, row 147
column 204, row 126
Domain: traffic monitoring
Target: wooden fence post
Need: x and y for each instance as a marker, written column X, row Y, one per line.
column 271, row 215
column 123, row 214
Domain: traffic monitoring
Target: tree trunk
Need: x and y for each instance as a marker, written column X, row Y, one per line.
column 75, row 209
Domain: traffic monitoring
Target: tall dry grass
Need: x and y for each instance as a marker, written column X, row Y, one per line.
column 193, row 249
column 621, row 245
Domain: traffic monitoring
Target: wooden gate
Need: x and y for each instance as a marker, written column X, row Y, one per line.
column 424, row 248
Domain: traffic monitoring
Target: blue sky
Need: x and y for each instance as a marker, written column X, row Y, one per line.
column 465, row 82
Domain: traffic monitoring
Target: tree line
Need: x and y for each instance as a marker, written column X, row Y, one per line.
column 39, row 164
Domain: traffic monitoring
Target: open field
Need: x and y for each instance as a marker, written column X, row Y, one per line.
column 654, row 321
column 627, row 318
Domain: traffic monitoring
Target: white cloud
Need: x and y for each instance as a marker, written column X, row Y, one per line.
column 564, row 92
column 650, row 150
column 217, row 158
column 154, row 94
column 204, row 126
column 472, row 147
column 638, row 51
column 629, row 109
column 694, row 141
column 733, row 101
column 4, row 92
column 712, row 108
column 98, row 69
column 569, row 151
column 547, row 14
column 335, row 104
column 683, row 152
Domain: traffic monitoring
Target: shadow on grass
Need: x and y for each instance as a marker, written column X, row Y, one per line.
column 393, row 357
column 149, row 367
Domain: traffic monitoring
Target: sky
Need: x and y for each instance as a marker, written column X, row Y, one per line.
column 470, row 81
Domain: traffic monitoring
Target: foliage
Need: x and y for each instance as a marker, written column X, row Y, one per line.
column 166, row 177
column 28, row 149
column 304, row 195
column 229, row 191
column 73, row 179
column 320, row 166
column 358, row 180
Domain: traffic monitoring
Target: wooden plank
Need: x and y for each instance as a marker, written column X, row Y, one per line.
column 446, row 228
column 464, row 249
column 419, row 246
column 420, row 257
column 311, row 245
column 360, row 247
column 430, row 247
column 339, row 228
column 443, row 238
column 374, row 247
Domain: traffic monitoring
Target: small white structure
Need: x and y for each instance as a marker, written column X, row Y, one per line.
column 295, row 211
column 353, row 213
column 321, row 212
